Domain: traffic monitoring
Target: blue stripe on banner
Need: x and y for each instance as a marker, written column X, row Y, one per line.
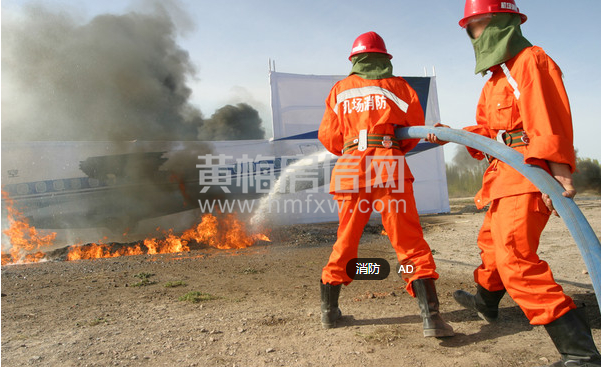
column 307, row 135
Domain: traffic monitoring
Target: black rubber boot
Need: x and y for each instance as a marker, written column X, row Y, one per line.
column 330, row 304
column 573, row 340
column 432, row 323
column 484, row 303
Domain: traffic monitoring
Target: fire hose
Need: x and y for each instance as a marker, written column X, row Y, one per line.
column 583, row 234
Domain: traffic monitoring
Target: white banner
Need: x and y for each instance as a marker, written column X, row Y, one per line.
column 297, row 109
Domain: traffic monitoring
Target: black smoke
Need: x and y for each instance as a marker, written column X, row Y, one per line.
column 238, row 122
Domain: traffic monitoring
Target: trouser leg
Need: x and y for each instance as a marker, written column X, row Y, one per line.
column 490, row 288
column 351, row 226
column 486, row 275
column 517, row 223
column 401, row 221
column 353, row 217
column 402, row 224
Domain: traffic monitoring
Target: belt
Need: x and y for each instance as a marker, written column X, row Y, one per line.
column 513, row 139
column 374, row 141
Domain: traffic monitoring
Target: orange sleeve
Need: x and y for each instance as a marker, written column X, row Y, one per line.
column 329, row 133
column 546, row 113
column 481, row 126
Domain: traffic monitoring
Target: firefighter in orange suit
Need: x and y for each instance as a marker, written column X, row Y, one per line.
column 525, row 105
column 362, row 112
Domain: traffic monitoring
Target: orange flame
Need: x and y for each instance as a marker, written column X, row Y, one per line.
column 24, row 238
column 226, row 233
column 96, row 251
column 168, row 245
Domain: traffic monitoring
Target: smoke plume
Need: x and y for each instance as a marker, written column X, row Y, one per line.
column 233, row 123
column 115, row 78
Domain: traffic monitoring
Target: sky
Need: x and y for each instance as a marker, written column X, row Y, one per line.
column 230, row 42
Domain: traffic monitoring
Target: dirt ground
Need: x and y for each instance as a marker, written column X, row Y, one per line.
column 261, row 305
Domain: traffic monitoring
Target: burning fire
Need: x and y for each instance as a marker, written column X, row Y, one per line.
column 24, row 238
column 228, row 232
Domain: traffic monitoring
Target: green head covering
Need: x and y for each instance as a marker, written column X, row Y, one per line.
column 372, row 65
column 501, row 40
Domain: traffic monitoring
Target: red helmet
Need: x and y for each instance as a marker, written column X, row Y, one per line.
column 369, row 42
column 479, row 7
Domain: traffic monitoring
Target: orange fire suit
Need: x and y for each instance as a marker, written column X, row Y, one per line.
column 376, row 178
column 525, row 93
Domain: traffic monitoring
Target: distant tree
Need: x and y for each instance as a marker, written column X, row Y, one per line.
column 587, row 175
column 464, row 173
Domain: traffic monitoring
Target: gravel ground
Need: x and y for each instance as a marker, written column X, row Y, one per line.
column 259, row 306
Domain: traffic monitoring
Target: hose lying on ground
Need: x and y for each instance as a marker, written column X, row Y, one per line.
column 583, row 234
